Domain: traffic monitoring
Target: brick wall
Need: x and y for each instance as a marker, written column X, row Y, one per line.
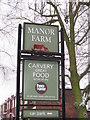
column 69, row 101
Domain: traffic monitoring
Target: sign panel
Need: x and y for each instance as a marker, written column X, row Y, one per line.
column 28, row 113
column 40, row 80
column 41, row 37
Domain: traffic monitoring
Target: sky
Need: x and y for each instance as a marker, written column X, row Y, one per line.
column 8, row 82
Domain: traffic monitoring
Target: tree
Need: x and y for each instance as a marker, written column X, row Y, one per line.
column 73, row 19
column 7, row 53
column 75, row 33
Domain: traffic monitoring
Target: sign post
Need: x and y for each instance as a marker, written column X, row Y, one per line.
column 31, row 113
column 18, row 73
column 41, row 71
column 63, row 74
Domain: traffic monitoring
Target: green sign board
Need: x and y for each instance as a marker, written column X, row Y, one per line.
column 41, row 37
column 28, row 113
column 40, row 80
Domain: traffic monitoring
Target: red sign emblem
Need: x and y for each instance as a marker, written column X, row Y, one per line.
column 40, row 48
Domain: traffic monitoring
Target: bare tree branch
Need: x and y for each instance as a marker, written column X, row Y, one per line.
column 77, row 43
column 67, row 76
column 85, row 3
column 5, row 52
column 87, row 89
column 84, row 73
column 49, row 15
column 51, row 21
column 77, row 8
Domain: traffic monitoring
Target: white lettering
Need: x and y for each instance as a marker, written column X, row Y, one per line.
column 29, row 30
column 40, row 75
column 41, row 87
column 41, row 31
column 41, row 39
column 52, row 32
column 42, row 66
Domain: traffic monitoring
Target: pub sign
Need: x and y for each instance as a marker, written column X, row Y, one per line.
column 40, row 80
column 41, row 37
column 33, row 113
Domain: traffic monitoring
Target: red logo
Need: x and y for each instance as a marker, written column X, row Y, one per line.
column 40, row 48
